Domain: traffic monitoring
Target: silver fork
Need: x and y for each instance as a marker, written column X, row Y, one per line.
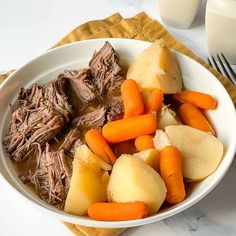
column 223, row 67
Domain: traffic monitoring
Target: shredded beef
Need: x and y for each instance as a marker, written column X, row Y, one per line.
column 94, row 119
column 31, row 96
column 52, row 176
column 55, row 96
column 71, row 152
column 81, row 82
column 116, row 110
column 106, row 70
column 40, row 136
column 40, row 114
column 70, row 140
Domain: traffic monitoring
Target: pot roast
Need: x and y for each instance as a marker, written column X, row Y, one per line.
column 48, row 122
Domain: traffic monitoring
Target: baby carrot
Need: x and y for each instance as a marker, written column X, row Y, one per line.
column 154, row 102
column 193, row 117
column 171, row 173
column 118, row 211
column 99, row 146
column 145, row 95
column 129, row 128
column 201, row 100
column 132, row 98
column 144, row 142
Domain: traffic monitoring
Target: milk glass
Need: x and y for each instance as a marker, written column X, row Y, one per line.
column 178, row 13
column 221, row 28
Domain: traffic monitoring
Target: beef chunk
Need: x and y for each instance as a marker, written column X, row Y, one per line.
column 40, row 114
column 82, row 84
column 32, row 96
column 116, row 110
column 72, row 151
column 54, row 95
column 52, row 176
column 40, row 136
column 94, row 119
column 52, row 173
column 69, row 141
column 105, row 69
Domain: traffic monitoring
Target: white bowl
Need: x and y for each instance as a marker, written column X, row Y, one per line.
column 77, row 55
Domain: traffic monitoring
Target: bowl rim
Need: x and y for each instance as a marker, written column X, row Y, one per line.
column 131, row 223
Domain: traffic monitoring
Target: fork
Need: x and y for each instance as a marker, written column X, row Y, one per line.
column 223, row 67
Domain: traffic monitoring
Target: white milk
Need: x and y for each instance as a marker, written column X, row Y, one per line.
column 178, row 13
column 221, row 28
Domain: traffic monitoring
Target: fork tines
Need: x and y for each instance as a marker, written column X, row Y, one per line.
column 223, row 66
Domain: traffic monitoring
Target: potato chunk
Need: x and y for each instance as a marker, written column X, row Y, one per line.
column 150, row 157
column 157, row 67
column 161, row 140
column 201, row 151
column 167, row 117
column 88, row 182
column 133, row 180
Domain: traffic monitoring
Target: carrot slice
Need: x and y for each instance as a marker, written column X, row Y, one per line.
column 132, row 98
column 99, row 146
column 129, row 128
column 171, row 173
column 201, row 100
column 154, row 102
column 193, row 117
column 118, row 211
column 144, row 142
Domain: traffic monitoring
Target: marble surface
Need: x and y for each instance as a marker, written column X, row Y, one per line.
column 27, row 29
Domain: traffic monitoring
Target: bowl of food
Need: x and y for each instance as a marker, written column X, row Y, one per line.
column 114, row 133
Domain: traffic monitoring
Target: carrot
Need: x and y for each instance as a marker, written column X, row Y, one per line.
column 171, row 173
column 129, row 128
column 118, row 211
column 154, row 102
column 201, row 100
column 126, row 147
column 99, row 146
column 193, row 117
column 132, row 98
column 145, row 95
column 144, row 142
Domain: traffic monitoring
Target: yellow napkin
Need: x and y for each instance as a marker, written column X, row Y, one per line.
column 139, row 27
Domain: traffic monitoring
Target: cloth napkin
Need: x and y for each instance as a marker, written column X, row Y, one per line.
column 139, row 27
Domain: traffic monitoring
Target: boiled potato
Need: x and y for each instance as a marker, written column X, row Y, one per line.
column 133, row 180
column 161, row 140
column 150, row 157
column 88, row 182
column 156, row 67
column 201, row 151
column 166, row 118
column 87, row 157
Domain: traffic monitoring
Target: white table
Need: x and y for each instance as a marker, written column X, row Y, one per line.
column 27, row 29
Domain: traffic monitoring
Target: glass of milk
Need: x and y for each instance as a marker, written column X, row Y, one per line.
column 221, row 28
column 178, row 13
